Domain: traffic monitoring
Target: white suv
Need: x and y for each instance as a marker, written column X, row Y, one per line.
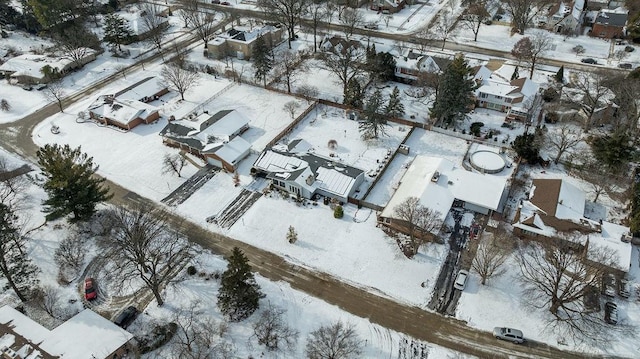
column 461, row 280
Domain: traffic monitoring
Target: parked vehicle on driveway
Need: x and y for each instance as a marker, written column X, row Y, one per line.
column 461, row 280
column 611, row 313
column 625, row 288
column 609, row 285
column 509, row 334
column 90, row 291
column 126, row 317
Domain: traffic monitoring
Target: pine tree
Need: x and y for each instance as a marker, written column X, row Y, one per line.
column 374, row 121
column 516, row 74
column 394, row 108
column 454, row 98
column 262, row 60
column 292, row 236
column 70, row 182
column 239, row 294
column 353, row 96
column 116, row 30
column 560, row 75
column 15, row 265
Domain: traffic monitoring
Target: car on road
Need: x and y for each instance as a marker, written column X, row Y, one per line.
column 624, row 289
column 90, row 291
column 509, row 334
column 609, row 285
column 588, row 60
column 625, row 65
column 611, row 313
column 371, row 26
column 461, row 280
column 126, row 317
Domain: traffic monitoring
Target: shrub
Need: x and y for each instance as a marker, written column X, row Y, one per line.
column 475, row 128
column 550, row 95
column 191, row 270
column 4, row 105
column 338, row 212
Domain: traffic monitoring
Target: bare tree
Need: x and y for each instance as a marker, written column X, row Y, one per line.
column 628, row 115
column 179, row 78
column 317, row 13
column 76, row 42
column 154, row 25
column 199, row 336
column 287, row 12
column 493, row 251
column 143, row 245
column 273, row 331
column 187, row 9
column 12, row 185
column 524, row 11
column 422, row 38
column 530, row 49
column 4, row 105
column 474, row 16
column 578, row 49
column 309, row 92
column 70, row 255
column 562, row 139
column 202, row 22
column 593, row 88
column 290, row 66
column 600, row 179
column 419, row 221
column 291, row 107
column 55, row 93
column 336, row 341
column 351, row 19
column 173, row 163
column 444, row 27
column 557, row 274
column 345, row 65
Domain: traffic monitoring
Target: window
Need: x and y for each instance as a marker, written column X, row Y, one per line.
column 483, row 95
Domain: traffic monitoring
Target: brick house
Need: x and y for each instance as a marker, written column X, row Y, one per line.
column 27, row 69
column 239, row 43
column 391, row 6
column 610, row 24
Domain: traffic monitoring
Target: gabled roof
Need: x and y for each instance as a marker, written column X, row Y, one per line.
column 206, row 132
column 612, row 18
column 558, row 198
column 145, row 88
column 30, row 64
column 121, row 111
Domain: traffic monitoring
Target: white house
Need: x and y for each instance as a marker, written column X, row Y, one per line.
column 438, row 182
column 27, row 69
column 497, row 93
column 86, row 335
column 410, row 64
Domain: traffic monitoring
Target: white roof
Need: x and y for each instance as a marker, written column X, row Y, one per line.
column 123, row 111
column 234, row 150
column 30, row 65
column 482, row 73
column 483, row 190
column 274, row 162
column 334, row 181
column 136, row 22
column 498, row 88
column 148, row 88
column 610, row 238
column 571, row 202
column 86, row 335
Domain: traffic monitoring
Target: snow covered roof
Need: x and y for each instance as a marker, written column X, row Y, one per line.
column 616, row 17
column 611, row 238
column 497, row 88
column 86, row 335
column 452, row 183
column 558, row 198
column 137, row 21
column 30, row 64
column 147, row 88
column 207, row 132
column 482, row 73
column 234, row 150
column 330, row 176
column 123, row 111
column 246, row 36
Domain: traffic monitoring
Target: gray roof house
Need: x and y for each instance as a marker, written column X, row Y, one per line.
column 299, row 172
column 215, row 138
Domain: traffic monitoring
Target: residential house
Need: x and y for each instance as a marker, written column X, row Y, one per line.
column 439, row 185
column 239, row 43
column 556, row 206
column 129, row 107
column 610, row 24
column 27, row 69
column 215, row 138
column 295, row 169
column 337, row 44
column 411, row 64
column 568, row 18
column 515, row 97
column 350, row 3
column 139, row 22
column 86, row 335
column 387, row 6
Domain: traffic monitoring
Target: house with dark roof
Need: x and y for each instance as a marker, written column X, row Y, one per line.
column 295, row 169
column 339, row 45
column 555, row 206
column 239, row 43
column 390, row 6
column 214, row 138
column 610, row 24
column 515, row 97
column 411, row 64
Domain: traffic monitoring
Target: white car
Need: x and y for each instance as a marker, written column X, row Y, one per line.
column 509, row 334
column 461, row 280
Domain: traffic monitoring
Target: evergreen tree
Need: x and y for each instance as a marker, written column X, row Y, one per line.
column 560, row 74
column 262, row 60
column 527, row 146
column 516, row 74
column 70, row 182
column 381, row 66
column 15, row 265
column 614, row 151
column 374, row 121
column 394, row 108
column 454, row 98
column 292, row 236
column 239, row 294
column 353, row 96
column 116, row 30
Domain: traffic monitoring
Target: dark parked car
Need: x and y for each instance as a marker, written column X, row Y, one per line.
column 611, row 313
column 625, row 65
column 609, row 285
column 629, row 48
column 90, row 292
column 588, row 60
column 126, row 317
column 625, row 288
